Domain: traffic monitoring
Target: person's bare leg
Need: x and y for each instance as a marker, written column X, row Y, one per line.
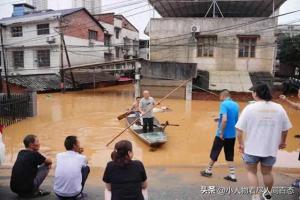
column 252, row 178
column 267, row 176
column 252, row 174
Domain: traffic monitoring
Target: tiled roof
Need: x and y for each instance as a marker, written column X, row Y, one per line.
column 36, row 16
column 39, row 83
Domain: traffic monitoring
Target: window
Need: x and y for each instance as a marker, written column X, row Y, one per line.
column 117, row 52
column 108, row 57
column 43, row 29
column 43, row 58
column 117, row 32
column 18, row 59
column 93, row 35
column 247, row 47
column 107, row 38
column 205, row 46
column 16, row 31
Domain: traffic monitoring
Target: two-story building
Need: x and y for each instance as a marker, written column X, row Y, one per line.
column 121, row 36
column 33, row 40
column 224, row 37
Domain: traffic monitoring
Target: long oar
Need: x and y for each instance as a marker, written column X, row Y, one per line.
column 161, row 100
column 122, row 116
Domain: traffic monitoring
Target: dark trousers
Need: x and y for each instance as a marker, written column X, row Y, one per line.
column 41, row 175
column 85, row 173
column 147, row 124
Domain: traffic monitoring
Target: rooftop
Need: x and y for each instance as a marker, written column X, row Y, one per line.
column 227, row 8
column 37, row 16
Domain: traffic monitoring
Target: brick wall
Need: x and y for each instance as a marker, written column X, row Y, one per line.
column 106, row 18
column 78, row 25
column 126, row 24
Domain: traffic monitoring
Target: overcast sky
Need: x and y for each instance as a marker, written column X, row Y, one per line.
column 140, row 12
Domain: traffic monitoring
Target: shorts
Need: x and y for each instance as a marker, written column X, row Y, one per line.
column 228, row 145
column 266, row 161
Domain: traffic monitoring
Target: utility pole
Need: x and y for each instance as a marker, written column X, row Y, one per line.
column 62, row 73
column 4, row 63
column 68, row 60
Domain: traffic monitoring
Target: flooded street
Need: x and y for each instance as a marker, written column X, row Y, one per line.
column 92, row 116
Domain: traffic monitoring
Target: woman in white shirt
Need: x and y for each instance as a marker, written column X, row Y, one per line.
column 265, row 125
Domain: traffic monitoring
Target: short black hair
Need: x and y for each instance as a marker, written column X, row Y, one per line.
column 263, row 91
column 137, row 98
column 70, row 141
column 29, row 139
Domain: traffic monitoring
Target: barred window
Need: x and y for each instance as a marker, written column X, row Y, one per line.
column 18, row 59
column 107, row 39
column 16, row 31
column 205, row 46
column 93, row 35
column 43, row 58
column 247, row 47
column 43, row 29
column 117, row 32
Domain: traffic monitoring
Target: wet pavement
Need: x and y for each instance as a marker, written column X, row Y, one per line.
column 175, row 183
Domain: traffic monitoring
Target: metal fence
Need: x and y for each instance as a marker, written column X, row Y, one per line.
column 15, row 108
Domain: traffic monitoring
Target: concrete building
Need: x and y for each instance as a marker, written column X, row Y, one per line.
column 93, row 6
column 121, row 36
column 144, row 49
column 38, row 4
column 32, row 40
column 219, row 35
column 290, row 30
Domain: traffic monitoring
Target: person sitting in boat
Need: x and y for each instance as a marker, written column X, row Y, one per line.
column 147, row 104
column 125, row 178
column 135, row 107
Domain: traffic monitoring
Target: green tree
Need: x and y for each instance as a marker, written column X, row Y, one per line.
column 289, row 50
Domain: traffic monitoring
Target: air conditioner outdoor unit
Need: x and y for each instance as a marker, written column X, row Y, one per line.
column 51, row 40
column 195, row 29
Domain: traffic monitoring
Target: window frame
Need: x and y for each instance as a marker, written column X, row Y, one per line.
column 206, row 46
column 247, row 46
column 117, row 32
column 91, row 36
column 15, row 33
column 39, row 56
column 21, row 61
column 43, row 31
column 107, row 39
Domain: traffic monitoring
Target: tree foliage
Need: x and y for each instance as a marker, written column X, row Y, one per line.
column 289, row 50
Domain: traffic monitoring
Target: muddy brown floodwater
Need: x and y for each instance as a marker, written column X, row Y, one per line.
column 92, row 116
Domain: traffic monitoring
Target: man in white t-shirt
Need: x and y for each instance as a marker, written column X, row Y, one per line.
column 265, row 125
column 71, row 170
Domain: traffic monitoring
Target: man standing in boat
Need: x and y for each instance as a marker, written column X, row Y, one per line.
column 147, row 103
column 225, row 137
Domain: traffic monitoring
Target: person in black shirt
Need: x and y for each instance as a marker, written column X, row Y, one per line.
column 30, row 170
column 124, row 177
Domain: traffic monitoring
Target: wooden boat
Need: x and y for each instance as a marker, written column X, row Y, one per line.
column 156, row 138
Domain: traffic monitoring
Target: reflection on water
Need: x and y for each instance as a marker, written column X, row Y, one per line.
column 91, row 115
